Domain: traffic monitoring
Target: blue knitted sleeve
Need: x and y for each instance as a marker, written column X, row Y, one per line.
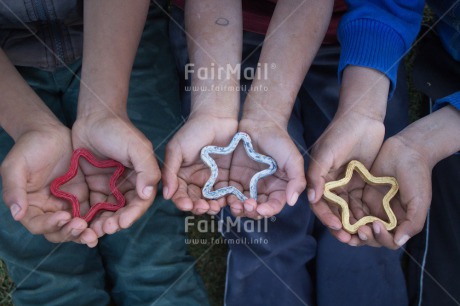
column 378, row 33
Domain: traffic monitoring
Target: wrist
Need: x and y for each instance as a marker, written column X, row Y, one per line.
column 98, row 109
column 101, row 100
column 435, row 136
column 265, row 117
column 39, row 123
column 364, row 90
column 220, row 103
column 274, row 104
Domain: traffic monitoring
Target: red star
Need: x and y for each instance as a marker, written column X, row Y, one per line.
column 73, row 169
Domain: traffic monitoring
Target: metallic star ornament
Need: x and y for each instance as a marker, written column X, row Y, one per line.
column 209, row 161
column 370, row 179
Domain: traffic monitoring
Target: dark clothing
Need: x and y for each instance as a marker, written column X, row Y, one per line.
column 26, row 25
column 434, row 253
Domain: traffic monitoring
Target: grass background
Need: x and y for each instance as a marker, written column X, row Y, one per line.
column 212, row 259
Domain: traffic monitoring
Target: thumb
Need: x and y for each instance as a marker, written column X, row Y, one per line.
column 147, row 170
column 321, row 162
column 413, row 223
column 14, row 180
column 172, row 164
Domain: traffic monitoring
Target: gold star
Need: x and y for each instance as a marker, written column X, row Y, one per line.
column 370, row 179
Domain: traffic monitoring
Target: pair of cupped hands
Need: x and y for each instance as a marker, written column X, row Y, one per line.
column 43, row 153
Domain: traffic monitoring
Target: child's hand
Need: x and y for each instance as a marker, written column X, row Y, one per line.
column 285, row 185
column 184, row 174
column 37, row 158
column 115, row 137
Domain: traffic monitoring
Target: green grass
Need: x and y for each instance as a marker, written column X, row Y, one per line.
column 6, row 285
column 211, row 261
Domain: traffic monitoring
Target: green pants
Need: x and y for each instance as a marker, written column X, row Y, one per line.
column 146, row 264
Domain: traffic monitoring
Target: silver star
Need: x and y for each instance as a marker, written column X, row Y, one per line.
column 209, row 161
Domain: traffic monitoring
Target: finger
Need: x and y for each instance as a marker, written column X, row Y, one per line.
column 342, row 236
column 214, row 207
column 320, row 164
column 39, row 223
column 69, row 232
column 200, row 207
column 172, row 164
column 382, row 236
column 414, row 221
column 406, row 230
column 14, row 180
column 297, row 182
column 324, row 213
column 181, row 197
column 236, row 208
column 89, row 237
column 270, row 208
column 366, row 236
column 250, row 208
column 354, row 241
column 126, row 216
column 98, row 222
column 147, row 169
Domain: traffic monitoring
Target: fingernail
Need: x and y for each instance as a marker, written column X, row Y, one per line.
column 311, row 195
column 15, row 210
column 333, row 227
column 165, row 192
column 202, row 210
column 294, row 198
column 248, row 207
column 76, row 232
column 62, row 223
column 353, row 243
column 402, row 240
column 362, row 236
column 376, row 228
column 147, row 191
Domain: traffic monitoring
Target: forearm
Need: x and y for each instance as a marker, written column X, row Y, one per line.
column 215, row 47
column 294, row 36
column 112, row 31
column 21, row 110
column 364, row 90
column 435, row 136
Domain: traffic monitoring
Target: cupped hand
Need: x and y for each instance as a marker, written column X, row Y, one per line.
column 110, row 136
column 412, row 170
column 36, row 159
column 285, row 185
column 184, row 174
column 351, row 135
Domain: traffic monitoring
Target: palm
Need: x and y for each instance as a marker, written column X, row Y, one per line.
column 411, row 203
column 39, row 158
column 183, row 162
column 350, row 136
column 111, row 137
column 270, row 140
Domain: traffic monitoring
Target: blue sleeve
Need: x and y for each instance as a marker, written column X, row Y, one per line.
column 378, row 33
column 453, row 99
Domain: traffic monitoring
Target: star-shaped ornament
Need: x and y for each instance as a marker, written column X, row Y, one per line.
column 370, row 179
column 72, row 172
column 209, row 161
